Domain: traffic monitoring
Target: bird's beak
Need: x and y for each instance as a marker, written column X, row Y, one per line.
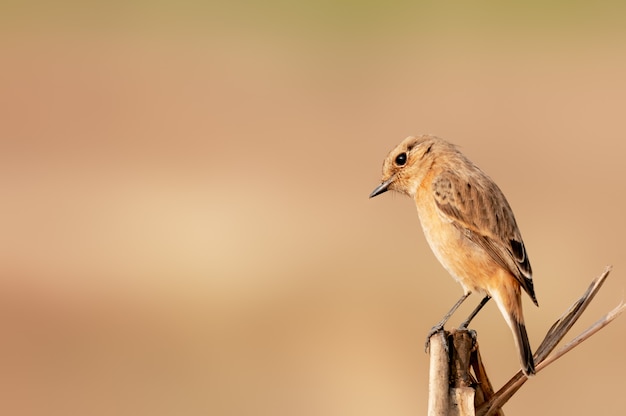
column 382, row 188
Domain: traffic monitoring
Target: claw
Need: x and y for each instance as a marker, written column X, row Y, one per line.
column 434, row 330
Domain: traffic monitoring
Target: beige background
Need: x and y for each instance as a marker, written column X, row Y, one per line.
column 184, row 220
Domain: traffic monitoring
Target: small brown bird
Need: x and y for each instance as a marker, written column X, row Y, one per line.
column 470, row 227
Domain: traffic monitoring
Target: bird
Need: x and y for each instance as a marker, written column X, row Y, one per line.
column 470, row 227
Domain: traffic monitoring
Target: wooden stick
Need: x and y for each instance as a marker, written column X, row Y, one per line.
column 450, row 357
column 462, row 389
column 438, row 399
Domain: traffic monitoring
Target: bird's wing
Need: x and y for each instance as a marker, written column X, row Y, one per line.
column 480, row 210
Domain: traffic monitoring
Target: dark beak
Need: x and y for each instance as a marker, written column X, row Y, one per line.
column 382, row 188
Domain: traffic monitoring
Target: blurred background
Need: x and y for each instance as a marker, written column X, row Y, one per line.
column 184, row 219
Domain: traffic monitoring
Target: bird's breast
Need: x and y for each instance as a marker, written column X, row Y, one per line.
column 468, row 263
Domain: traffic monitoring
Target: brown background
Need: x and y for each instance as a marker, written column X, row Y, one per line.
column 184, row 220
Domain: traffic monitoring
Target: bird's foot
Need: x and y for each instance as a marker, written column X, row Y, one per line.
column 471, row 332
column 434, row 330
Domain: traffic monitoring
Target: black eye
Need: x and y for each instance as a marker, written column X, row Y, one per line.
column 401, row 159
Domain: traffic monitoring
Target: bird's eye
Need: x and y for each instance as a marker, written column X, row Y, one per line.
column 401, row 159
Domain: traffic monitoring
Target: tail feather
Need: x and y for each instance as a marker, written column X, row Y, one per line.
column 526, row 353
column 510, row 304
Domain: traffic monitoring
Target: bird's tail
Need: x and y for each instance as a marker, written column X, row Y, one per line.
column 510, row 304
column 523, row 346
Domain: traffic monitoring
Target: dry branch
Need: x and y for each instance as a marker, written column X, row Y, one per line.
column 438, row 400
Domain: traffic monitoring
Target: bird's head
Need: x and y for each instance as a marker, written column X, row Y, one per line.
column 406, row 166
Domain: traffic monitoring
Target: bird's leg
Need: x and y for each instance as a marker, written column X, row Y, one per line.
column 439, row 326
column 482, row 303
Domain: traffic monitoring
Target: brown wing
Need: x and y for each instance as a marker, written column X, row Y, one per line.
column 479, row 209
